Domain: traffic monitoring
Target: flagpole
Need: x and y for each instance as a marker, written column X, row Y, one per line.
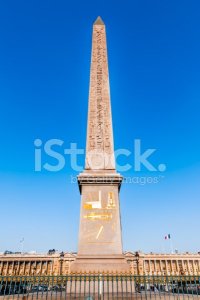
column 22, row 245
column 168, row 237
column 171, row 246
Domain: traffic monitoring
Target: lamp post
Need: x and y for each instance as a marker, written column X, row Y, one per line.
column 61, row 262
column 137, row 262
column 138, row 271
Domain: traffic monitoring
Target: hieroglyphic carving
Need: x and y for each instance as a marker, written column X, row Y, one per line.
column 99, row 132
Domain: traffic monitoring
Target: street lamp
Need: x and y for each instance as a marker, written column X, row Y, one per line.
column 61, row 262
column 137, row 262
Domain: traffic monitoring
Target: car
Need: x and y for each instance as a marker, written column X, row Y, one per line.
column 39, row 288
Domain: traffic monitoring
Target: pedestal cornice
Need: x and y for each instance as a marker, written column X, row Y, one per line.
column 92, row 177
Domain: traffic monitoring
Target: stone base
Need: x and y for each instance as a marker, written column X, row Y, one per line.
column 100, row 264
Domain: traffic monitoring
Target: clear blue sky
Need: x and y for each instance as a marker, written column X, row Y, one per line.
column 154, row 65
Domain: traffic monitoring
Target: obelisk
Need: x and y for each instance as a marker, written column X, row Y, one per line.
column 100, row 237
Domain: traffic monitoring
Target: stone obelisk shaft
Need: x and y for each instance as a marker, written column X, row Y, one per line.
column 99, row 149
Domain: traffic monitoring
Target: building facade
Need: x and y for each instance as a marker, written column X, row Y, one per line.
column 163, row 264
column 60, row 264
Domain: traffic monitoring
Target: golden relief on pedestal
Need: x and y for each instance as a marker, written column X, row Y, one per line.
column 100, row 211
column 111, row 201
column 91, row 203
column 98, row 216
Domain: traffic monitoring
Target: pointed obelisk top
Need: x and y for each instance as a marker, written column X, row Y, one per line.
column 99, row 21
